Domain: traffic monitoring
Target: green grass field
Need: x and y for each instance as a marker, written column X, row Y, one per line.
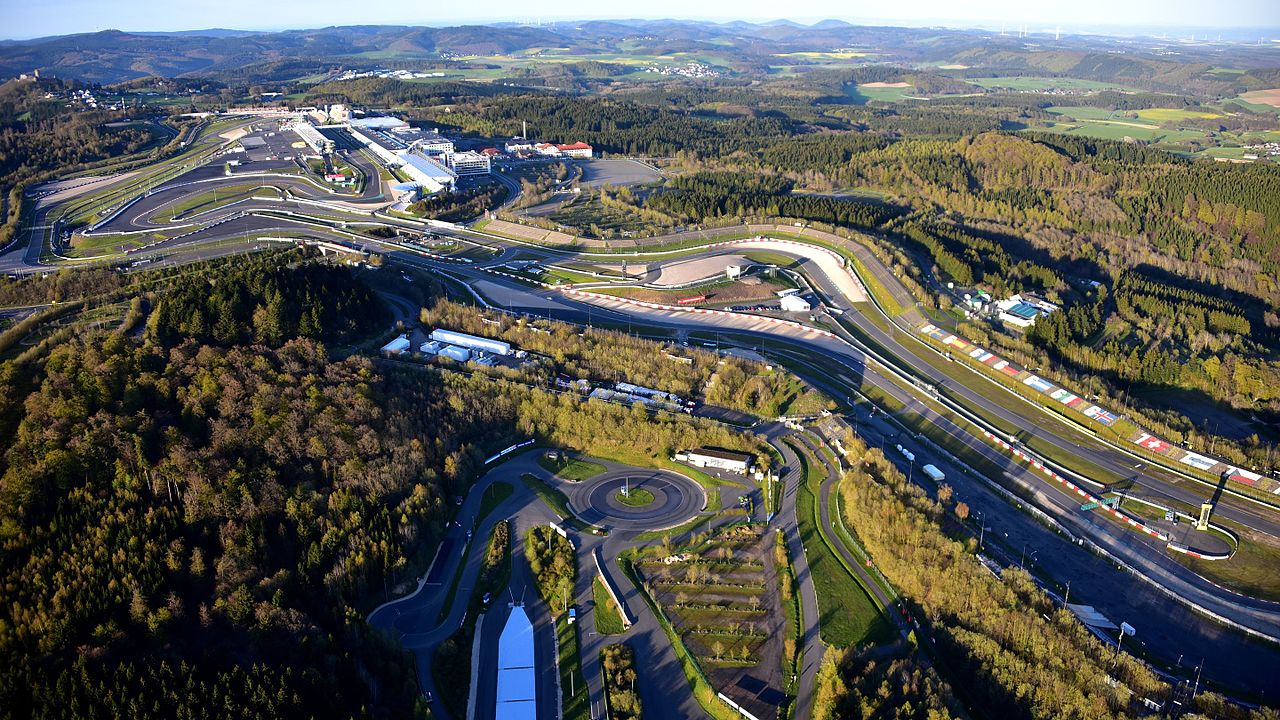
column 887, row 94
column 493, row 497
column 1122, row 129
column 847, row 614
column 608, row 619
column 571, row 469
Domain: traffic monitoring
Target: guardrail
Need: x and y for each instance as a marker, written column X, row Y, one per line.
column 608, row 585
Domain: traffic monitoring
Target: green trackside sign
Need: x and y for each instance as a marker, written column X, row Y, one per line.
column 1105, row 501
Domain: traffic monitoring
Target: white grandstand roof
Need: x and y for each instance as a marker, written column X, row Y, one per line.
column 379, row 122
column 516, row 673
column 429, row 167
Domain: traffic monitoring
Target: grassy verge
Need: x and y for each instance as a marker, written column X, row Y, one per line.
column 1250, row 571
column 608, row 619
column 793, row 613
column 573, row 686
column 569, row 468
column 847, row 614
column 556, row 501
column 493, row 497
column 675, row 532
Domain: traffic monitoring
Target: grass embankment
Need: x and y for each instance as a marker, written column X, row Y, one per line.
column 570, row 468
column 451, row 668
column 608, row 618
column 1250, row 571
column 847, row 614
column 556, row 501
column 493, row 497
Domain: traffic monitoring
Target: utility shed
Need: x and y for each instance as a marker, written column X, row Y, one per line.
column 397, row 346
column 794, row 303
column 516, row 672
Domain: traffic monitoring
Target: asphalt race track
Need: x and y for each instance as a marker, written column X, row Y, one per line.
column 676, row 499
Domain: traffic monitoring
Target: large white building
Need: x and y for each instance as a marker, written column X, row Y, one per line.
column 427, row 172
column 469, row 163
column 426, row 156
column 517, row 695
column 719, row 459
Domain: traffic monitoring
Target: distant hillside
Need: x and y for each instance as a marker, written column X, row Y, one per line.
column 240, row 56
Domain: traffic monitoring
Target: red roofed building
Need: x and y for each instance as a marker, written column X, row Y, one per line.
column 575, row 150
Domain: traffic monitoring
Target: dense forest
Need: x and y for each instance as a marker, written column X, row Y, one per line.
column 265, row 303
column 708, row 196
column 1007, row 650
column 196, row 530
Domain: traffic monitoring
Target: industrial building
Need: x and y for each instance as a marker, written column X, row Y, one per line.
column 718, row 459
column 517, row 670
column 1018, row 313
column 455, row 353
column 496, row 347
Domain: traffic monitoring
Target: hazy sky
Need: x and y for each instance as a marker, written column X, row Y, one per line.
column 34, row 18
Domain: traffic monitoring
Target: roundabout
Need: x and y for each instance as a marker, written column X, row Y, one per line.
column 653, row 499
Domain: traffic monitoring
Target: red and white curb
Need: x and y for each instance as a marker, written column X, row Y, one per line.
column 702, row 311
column 1089, row 497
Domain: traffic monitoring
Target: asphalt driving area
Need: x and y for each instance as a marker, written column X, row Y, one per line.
column 676, row 499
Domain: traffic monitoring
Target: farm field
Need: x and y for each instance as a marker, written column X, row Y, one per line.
column 823, row 55
column 886, row 92
column 1264, row 98
column 1120, row 130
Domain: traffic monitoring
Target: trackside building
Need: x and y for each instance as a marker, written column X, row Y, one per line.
column 497, row 347
column 517, row 697
column 718, row 459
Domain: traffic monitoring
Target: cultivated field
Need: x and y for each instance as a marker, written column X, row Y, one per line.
column 1263, row 97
